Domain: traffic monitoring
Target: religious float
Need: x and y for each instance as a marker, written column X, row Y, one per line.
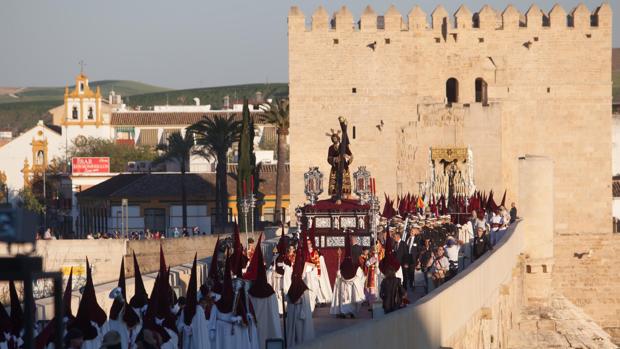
column 330, row 220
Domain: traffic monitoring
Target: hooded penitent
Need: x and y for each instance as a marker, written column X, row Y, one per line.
column 5, row 324
column 348, row 268
column 140, row 298
column 117, row 305
column 225, row 303
column 256, row 272
column 17, row 314
column 298, row 287
column 238, row 259
column 390, row 260
column 214, row 275
column 47, row 334
column 89, row 310
column 192, row 293
column 158, row 303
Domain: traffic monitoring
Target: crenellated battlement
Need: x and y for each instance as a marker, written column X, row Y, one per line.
column 487, row 18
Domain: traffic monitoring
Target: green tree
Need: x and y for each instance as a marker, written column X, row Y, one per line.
column 120, row 154
column 277, row 114
column 247, row 161
column 178, row 149
column 214, row 137
column 29, row 201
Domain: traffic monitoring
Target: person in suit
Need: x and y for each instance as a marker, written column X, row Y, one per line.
column 356, row 248
column 481, row 244
column 401, row 251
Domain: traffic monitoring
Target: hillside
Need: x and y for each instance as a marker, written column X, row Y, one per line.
column 209, row 95
column 32, row 105
column 31, row 94
column 24, row 115
column 21, row 108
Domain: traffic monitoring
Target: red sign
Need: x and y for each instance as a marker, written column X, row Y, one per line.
column 90, row 165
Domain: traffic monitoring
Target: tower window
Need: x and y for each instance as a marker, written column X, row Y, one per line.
column 81, row 87
column 336, row 41
column 452, row 91
column 40, row 160
column 74, row 113
column 481, row 91
column 354, row 90
column 387, row 41
column 90, row 113
column 353, row 132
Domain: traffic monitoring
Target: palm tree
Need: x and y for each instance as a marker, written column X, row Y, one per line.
column 215, row 136
column 277, row 114
column 178, row 149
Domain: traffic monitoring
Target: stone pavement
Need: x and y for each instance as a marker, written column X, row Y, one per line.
column 561, row 325
column 325, row 323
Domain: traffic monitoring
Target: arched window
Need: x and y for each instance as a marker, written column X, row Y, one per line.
column 452, row 91
column 74, row 113
column 481, row 91
column 90, row 113
column 40, row 160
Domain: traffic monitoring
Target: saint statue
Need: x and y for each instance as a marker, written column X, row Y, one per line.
column 339, row 156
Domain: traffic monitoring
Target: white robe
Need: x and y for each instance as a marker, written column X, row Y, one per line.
column 94, row 343
column 196, row 335
column 121, row 327
column 311, row 280
column 348, row 295
column 299, row 325
column 267, row 318
column 243, row 337
column 280, row 282
column 325, row 294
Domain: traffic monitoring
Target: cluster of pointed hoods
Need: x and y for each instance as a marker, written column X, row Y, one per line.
column 479, row 201
column 11, row 325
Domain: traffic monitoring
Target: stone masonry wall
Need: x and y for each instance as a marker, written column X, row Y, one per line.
column 549, row 90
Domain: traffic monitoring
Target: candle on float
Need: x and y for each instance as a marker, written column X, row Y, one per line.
column 252, row 184
column 244, row 188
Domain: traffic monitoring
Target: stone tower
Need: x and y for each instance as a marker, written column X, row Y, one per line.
column 503, row 84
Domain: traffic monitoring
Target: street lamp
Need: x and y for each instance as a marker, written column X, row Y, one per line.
column 313, row 184
column 362, row 184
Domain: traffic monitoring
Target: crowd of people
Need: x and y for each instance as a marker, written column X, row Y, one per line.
column 147, row 234
column 244, row 298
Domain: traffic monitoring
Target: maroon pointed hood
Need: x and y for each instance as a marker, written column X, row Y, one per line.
column 348, row 268
column 214, row 274
column 140, row 298
column 260, row 287
column 162, row 259
column 389, row 260
column 17, row 314
column 239, row 260
column 5, row 322
column 192, row 296
column 117, row 305
column 298, row 287
column 89, row 310
column 224, row 305
column 503, row 203
column 66, row 298
column 46, row 336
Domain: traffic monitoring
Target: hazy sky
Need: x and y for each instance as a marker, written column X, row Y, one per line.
column 177, row 44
